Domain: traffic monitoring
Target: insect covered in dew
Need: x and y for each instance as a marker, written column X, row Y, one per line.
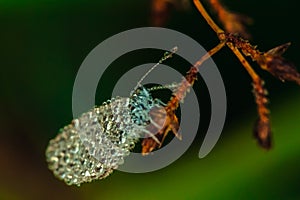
column 95, row 144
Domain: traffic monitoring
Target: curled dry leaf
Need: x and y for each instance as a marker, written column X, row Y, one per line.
column 262, row 128
column 262, row 133
column 273, row 62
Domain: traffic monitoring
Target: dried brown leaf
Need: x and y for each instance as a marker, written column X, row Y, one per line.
column 262, row 127
column 262, row 133
column 273, row 62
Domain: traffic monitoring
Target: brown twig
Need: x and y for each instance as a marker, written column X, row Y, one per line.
column 171, row 121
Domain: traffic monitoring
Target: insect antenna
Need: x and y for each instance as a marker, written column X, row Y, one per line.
column 167, row 55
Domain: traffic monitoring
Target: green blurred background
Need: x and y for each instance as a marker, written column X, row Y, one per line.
column 42, row 46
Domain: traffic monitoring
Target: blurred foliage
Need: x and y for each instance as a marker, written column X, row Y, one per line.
column 42, row 46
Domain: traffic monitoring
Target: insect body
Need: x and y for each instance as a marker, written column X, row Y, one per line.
column 95, row 144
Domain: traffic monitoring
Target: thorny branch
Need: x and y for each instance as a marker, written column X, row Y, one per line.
column 271, row 61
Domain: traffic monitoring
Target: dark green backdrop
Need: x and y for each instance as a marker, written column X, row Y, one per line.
column 42, row 46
